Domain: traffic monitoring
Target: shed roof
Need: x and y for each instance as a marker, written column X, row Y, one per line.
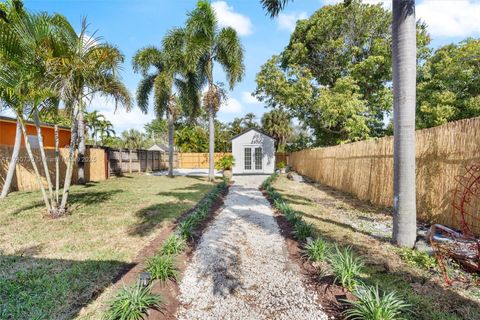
column 254, row 129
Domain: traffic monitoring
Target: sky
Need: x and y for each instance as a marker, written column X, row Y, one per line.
column 132, row 25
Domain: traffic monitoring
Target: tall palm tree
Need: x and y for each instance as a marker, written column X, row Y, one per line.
column 133, row 139
column 174, row 86
column 207, row 44
column 105, row 129
column 93, row 122
column 88, row 68
column 404, row 92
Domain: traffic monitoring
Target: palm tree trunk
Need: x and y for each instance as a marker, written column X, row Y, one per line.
column 13, row 161
column 35, row 168
column 57, row 164
column 404, row 86
column 43, row 155
column 81, row 148
column 69, row 173
column 211, row 144
column 170, row 144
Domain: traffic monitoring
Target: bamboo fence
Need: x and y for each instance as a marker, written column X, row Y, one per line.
column 365, row 168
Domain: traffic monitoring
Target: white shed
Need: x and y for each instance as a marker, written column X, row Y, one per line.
column 254, row 153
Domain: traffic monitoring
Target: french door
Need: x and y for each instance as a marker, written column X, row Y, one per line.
column 253, row 159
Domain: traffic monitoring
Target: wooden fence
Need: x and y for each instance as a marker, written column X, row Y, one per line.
column 365, row 168
column 200, row 160
column 24, row 178
column 142, row 161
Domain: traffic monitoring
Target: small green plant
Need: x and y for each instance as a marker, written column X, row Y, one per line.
column 346, row 267
column 225, row 163
column 417, row 258
column 162, row 267
column 317, row 250
column 371, row 305
column 281, row 165
column 302, row 230
column 293, row 216
column 132, row 303
column 185, row 229
column 173, row 245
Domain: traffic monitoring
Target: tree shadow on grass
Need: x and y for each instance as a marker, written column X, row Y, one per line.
column 38, row 288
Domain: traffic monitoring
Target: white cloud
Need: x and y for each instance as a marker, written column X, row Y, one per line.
column 231, row 106
column 450, row 18
column 248, row 98
column 227, row 17
column 121, row 119
column 288, row 21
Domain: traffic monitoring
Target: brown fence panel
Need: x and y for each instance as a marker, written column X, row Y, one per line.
column 365, row 168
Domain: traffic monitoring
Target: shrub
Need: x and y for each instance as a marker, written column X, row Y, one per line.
column 185, row 229
column 417, row 258
column 373, row 306
column 317, row 250
column 131, row 303
column 162, row 267
column 225, row 163
column 346, row 267
column 302, row 230
column 173, row 245
column 281, row 165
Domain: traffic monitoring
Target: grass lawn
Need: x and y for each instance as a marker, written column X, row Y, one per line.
column 50, row 268
column 331, row 212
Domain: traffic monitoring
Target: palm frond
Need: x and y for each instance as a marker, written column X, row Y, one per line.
column 230, row 55
column 144, row 89
column 146, row 58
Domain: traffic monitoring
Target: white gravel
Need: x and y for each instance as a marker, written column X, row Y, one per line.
column 241, row 268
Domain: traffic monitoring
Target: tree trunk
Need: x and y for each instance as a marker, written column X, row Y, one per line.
column 170, row 144
column 404, row 86
column 43, row 155
column 121, row 161
column 69, row 173
column 35, row 168
column 13, row 161
column 57, row 164
column 211, row 144
column 81, row 148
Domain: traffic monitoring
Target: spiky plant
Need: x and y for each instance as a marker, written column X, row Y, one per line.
column 317, row 250
column 302, row 230
column 373, row 305
column 132, row 303
column 162, row 267
column 173, row 245
column 346, row 267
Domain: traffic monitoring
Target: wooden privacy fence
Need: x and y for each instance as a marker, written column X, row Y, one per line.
column 200, row 160
column 365, row 168
column 142, row 161
column 24, row 179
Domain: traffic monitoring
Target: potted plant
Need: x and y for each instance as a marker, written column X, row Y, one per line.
column 282, row 167
column 225, row 164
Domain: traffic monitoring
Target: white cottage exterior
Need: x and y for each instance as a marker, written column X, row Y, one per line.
column 254, row 153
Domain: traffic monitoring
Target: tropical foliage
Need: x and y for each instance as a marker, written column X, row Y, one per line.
column 277, row 124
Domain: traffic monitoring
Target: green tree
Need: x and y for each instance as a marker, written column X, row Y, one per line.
column 208, row 44
column 448, row 84
column 277, row 124
column 156, row 129
column 93, row 122
column 250, row 121
column 133, row 140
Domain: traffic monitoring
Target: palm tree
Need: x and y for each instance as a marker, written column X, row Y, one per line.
column 13, row 10
column 88, row 68
column 93, row 121
column 207, row 45
column 174, row 86
column 133, row 140
column 249, row 120
column 404, row 92
column 105, row 128
column 277, row 124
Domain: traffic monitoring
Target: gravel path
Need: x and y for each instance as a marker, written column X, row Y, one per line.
column 241, row 269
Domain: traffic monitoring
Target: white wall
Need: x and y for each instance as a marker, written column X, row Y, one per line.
column 253, row 139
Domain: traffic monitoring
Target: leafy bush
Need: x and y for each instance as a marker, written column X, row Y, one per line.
column 281, row 165
column 371, row 305
column 317, row 250
column 162, row 267
column 131, row 303
column 417, row 258
column 185, row 229
column 346, row 267
column 225, row 163
column 302, row 230
column 173, row 245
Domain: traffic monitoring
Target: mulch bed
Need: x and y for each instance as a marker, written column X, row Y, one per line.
column 170, row 290
column 329, row 294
